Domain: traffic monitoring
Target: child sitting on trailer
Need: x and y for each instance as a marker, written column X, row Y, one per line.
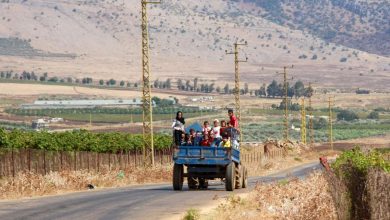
column 206, row 127
column 206, row 140
column 225, row 140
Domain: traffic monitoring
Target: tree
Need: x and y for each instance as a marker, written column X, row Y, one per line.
column 187, row 85
column 128, row 84
column 373, row 115
column 101, row 82
column 53, row 79
column 299, row 89
column 218, row 89
column 291, row 106
column 347, row 115
column 226, row 88
column 196, row 83
column 69, row 80
column 273, row 89
column 122, row 83
column 8, row 75
column 309, row 92
column 156, row 83
column 168, row 83
column 211, row 88
column 290, row 91
column 34, row 76
column 112, row 82
column 262, row 91
column 179, row 84
column 246, row 88
column 320, row 123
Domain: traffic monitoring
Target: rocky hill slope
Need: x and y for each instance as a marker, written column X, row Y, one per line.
column 101, row 39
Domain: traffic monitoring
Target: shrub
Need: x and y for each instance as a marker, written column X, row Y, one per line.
column 373, row 115
column 343, row 60
column 347, row 115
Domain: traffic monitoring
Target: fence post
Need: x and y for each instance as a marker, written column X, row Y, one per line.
column 88, row 154
column 135, row 161
column 109, row 161
column 44, row 162
column 98, row 162
column 75, row 160
column 29, row 160
column 13, row 162
column 61, row 165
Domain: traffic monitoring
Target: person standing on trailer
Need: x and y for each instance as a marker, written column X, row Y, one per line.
column 233, row 119
column 178, row 128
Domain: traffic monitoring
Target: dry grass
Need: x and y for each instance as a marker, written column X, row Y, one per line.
column 29, row 184
column 288, row 199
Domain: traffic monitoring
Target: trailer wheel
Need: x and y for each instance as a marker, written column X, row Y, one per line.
column 239, row 176
column 230, row 178
column 192, row 182
column 244, row 177
column 203, row 183
column 178, row 177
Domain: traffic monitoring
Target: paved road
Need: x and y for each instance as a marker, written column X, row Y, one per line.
column 156, row 201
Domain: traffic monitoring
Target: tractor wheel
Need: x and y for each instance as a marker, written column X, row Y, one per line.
column 192, row 182
column 238, row 176
column 178, row 177
column 244, row 177
column 230, row 178
column 203, row 183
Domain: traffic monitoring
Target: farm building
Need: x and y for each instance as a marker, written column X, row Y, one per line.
column 56, row 104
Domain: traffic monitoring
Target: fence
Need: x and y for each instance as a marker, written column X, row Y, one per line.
column 43, row 162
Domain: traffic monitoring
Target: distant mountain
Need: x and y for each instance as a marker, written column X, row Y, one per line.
column 364, row 25
column 101, row 39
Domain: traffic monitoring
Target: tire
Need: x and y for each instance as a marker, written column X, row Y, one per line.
column 193, row 183
column 245, row 177
column 178, row 177
column 203, row 183
column 230, row 178
column 239, row 177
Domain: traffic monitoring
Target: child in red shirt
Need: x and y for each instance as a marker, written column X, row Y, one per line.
column 233, row 120
column 206, row 140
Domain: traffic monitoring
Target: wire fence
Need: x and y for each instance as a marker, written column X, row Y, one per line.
column 13, row 161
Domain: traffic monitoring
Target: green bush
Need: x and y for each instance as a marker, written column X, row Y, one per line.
column 360, row 161
column 347, row 115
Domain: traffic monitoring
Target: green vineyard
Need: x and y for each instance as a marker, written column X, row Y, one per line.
column 82, row 140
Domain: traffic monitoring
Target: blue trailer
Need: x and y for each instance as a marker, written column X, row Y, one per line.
column 207, row 163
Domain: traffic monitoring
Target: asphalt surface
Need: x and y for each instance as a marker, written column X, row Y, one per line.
column 157, row 201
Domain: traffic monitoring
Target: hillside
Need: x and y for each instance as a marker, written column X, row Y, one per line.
column 101, row 39
column 363, row 25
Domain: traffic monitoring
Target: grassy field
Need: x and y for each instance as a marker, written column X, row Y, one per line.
column 116, row 118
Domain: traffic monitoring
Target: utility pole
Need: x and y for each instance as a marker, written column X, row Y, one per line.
column 303, row 123
column 285, row 88
column 311, row 128
column 237, row 83
column 330, row 126
column 148, row 147
column 286, row 104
